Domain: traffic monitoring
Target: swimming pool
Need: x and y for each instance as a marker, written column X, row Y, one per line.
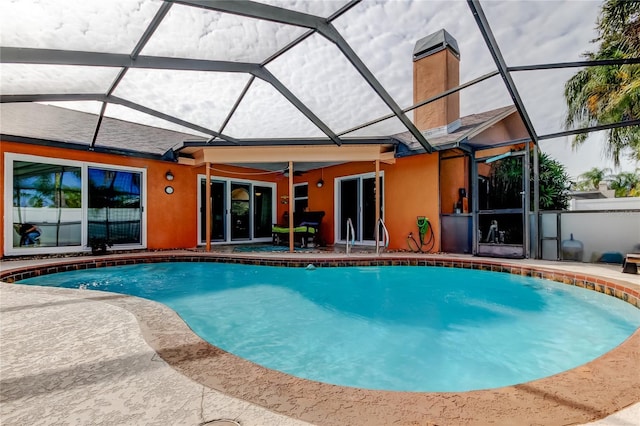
column 396, row 328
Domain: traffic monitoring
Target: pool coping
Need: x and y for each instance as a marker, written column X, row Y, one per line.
column 588, row 392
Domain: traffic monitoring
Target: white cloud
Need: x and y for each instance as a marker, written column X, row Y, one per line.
column 35, row 79
column 198, row 97
column 95, row 25
column 188, row 32
column 265, row 113
column 321, row 77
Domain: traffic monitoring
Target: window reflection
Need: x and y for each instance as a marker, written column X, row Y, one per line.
column 49, row 197
column 114, row 211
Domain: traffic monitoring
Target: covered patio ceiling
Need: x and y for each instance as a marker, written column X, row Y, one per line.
column 284, row 72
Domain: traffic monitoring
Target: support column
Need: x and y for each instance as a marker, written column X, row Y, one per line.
column 475, row 193
column 291, row 233
column 526, row 205
column 377, row 189
column 207, row 187
column 536, row 201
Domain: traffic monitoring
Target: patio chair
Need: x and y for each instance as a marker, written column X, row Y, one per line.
column 306, row 231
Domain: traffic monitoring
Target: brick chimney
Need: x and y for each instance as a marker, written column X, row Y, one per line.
column 436, row 68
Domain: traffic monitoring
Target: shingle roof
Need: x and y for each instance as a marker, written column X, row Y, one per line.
column 51, row 123
column 471, row 125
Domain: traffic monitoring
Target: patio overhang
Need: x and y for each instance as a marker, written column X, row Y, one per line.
column 274, row 154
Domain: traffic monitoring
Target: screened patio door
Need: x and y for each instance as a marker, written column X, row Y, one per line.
column 356, row 200
column 501, row 206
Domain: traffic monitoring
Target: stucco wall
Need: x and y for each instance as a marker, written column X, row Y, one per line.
column 171, row 219
column 410, row 190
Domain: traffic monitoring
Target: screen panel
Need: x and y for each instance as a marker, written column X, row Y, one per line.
column 189, row 32
column 29, row 79
column 265, row 113
column 319, row 74
column 113, row 26
column 203, row 98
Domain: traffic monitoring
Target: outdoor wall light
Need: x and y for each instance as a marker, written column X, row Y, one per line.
column 168, row 175
column 320, row 182
column 168, row 189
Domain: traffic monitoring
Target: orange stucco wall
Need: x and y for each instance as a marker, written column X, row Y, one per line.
column 454, row 174
column 410, row 190
column 171, row 219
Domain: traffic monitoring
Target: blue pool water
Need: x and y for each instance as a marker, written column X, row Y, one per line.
column 394, row 328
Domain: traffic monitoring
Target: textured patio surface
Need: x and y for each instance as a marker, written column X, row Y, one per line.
column 86, row 357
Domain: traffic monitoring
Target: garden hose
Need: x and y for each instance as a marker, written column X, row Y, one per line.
column 423, row 229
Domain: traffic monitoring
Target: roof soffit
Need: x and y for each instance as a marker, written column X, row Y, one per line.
column 298, row 153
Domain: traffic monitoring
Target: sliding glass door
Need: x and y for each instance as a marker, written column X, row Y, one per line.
column 218, row 211
column 263, row 216
column 114, row 207
column 57, row 205
column 356, row 200
column 240, row 210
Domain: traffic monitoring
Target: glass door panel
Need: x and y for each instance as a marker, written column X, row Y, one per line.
column 49, row 198
column 349, row 206
column 218, row 211
column 114, row 212
column 262, row 211
column 369, row 207
column 240, row 211
column 357, row 200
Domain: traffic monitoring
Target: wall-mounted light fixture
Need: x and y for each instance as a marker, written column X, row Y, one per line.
column 168, row 175
column 320, row 182
column 168, row 189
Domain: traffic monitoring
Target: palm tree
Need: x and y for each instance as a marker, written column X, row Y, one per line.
column 594, row 176
column 625, row 184
column 619, row 24
column 610, row 94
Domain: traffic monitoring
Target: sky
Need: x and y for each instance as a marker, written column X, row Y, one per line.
column 382, row 33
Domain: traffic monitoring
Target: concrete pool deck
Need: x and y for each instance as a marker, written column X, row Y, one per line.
column 86, row 357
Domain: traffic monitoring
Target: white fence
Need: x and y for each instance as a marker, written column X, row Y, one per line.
column 623, row 203
column 600, row 232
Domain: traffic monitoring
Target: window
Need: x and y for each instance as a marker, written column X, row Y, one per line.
column 114, row 206
column 48, row 197
column 56, row 205
column 300, row 197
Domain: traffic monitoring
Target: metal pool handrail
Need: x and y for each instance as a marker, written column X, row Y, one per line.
column 385, row 236
column 350, row 241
